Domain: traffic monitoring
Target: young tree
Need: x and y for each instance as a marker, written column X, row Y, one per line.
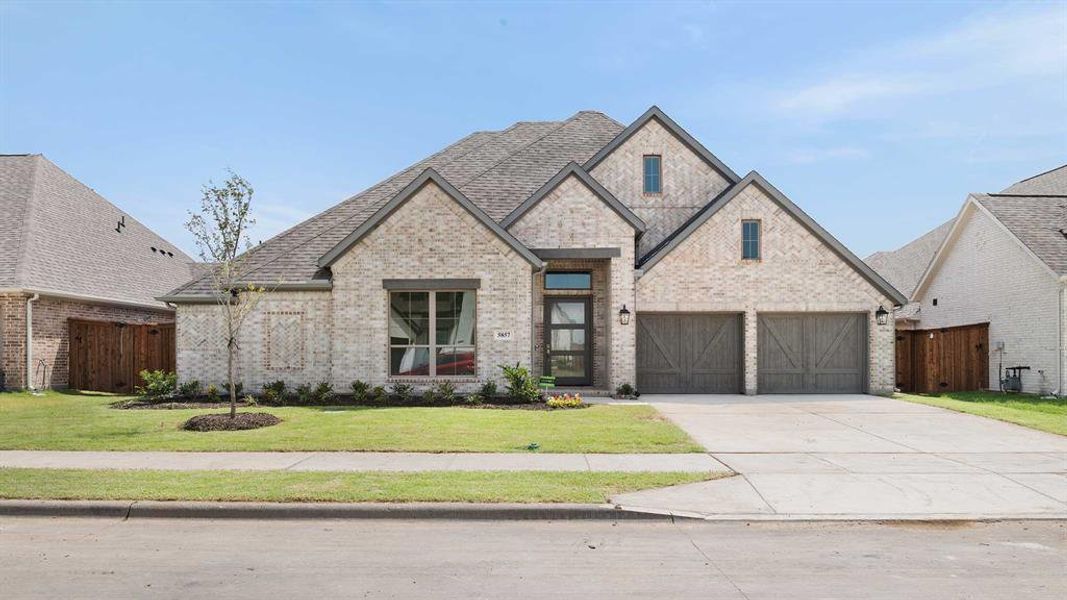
column 221, row 233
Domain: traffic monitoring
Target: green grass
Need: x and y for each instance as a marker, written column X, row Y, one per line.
column 365, row 486
column 72, row 421
column 1022, row 409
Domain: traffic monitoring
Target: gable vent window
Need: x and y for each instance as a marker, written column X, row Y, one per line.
column 750, row 240
column 653, row 174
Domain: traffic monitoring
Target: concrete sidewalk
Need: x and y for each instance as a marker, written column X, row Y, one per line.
column 358, row 461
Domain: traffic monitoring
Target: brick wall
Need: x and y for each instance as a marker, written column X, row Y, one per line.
column 797, row 273
column 987, row 276
column 688, row 182
column 572, row 216
column 51, row 334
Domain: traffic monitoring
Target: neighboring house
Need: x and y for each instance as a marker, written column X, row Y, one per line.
column 596, row 253
column 987, row 291
column 67, row 253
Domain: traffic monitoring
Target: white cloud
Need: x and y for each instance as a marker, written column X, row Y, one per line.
column 812, row 155
column 996, row 49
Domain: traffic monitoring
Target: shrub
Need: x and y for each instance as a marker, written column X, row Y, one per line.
column 158, row 384
column 565, row 401
column 444, row 392
column 521, row 386
column 304, row 393
column 237, row 386
column 488, row 389
column 402, row 391
column 428, row 397
column 250, row 400
column 359, row 391
column 377, row 395
column 213, row 392
column 474, row 400
column 322, row 393
column 626, row 390
column 190, row 389
column 274, row 392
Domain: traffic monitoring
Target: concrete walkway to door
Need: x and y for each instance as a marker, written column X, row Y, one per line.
column 859, row 457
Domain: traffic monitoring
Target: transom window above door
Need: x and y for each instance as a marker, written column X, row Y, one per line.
column 653, row 174
column 431, row 334
column 560, row 280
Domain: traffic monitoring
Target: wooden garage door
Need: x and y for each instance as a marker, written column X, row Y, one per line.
column 688, row 353
column 812, row 353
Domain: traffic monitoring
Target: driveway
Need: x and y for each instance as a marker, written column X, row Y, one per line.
column 858, row 456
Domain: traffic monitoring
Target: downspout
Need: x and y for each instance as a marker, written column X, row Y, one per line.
column 1062, row 391
column 29, row 340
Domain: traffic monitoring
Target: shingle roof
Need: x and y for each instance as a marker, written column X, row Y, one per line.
column 1053, row 182
column 1040, row 222
column 60, row 236
column 904, row 266
column 496, row 170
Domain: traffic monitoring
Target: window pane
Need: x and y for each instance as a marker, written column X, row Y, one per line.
column 455, row 318
column 455, row 361
column 567, row 313
column 568, row 340
column 409, row 361
column 568, row 365
column 568, row 281
column 409, row 318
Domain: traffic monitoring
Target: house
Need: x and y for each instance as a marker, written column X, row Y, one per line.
column 987, row 292
column 68, row 255
column 595, row 252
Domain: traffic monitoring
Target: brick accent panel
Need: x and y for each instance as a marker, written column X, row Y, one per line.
column 571, row 216
column 797, row 273
column 51, row 342
column 987, row 277
column 688, row 182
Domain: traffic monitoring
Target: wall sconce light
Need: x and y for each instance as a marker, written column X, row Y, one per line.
column 881, row 316
column 624, row 316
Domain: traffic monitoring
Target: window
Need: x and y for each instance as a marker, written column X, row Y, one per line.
column 431, row 334
column 568, row 281
column 750, row 242
column 653, row 170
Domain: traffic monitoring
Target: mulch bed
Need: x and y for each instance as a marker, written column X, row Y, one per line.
column 533, row 406
column 223, row 422
column 141, row 404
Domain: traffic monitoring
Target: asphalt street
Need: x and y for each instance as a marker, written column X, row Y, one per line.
column 192, row 558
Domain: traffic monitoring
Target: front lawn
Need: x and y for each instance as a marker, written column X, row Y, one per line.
column 365, row 486
column 72, row 421
column 1027, row 410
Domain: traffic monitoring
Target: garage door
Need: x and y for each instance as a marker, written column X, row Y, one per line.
column 812, row 353
column 688, row 353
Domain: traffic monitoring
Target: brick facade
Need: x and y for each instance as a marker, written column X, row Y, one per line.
column 51, row 334
column 988, row 277
column 796, row 273
column 688, row 182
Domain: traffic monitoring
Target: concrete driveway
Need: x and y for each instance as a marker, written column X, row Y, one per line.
column 858, row 456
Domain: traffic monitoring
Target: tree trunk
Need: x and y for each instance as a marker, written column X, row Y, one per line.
column 229, row 374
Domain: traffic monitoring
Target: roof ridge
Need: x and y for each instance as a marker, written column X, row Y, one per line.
column 1001, row 194
column 24, row 230
column 1041, row 173
column 562, row 124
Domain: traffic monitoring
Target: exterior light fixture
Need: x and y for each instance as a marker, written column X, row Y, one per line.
column 624, row 316
column 881, row 316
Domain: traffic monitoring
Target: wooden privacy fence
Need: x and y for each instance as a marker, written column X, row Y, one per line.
column 954, row 359
column 108, row 357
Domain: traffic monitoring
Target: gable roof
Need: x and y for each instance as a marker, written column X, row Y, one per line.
column 60, row 237
column 674, row 128
column 495, row 170
column 1052, row 182
column 594, row 186
column 427, row 177
column 1039, row 222
column 904, row 266
column 754, row 178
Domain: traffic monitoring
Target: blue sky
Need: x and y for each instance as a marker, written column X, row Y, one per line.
column 876, row 118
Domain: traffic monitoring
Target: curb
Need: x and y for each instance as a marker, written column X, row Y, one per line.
column 309, row 511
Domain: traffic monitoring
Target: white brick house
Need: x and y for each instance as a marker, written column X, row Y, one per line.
column 1001, row 263
column 597, row 253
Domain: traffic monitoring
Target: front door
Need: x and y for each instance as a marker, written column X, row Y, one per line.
column 568, row 340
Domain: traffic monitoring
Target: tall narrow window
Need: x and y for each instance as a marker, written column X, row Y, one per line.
column 431, row 334
column 750, row 240
column 653, row 174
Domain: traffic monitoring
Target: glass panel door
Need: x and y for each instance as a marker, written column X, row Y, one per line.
column 568, row 336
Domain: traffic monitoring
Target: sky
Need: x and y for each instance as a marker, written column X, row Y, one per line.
column 876, row 118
